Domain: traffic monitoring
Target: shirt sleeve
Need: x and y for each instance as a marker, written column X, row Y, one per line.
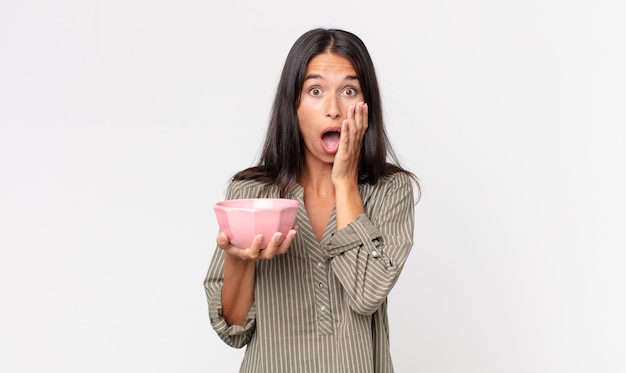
column 234, row 335
column 368, row 255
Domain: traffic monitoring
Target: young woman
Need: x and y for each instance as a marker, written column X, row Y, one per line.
column 316, row 301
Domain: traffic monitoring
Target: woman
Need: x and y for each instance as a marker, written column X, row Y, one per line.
column 316, row 301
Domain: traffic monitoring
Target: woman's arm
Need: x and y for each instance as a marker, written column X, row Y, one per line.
column 239, row 270
column 234, row 335
column 345, row 174
column 230, row 281
column 374, row 238
column 367, row 255
column 238, row 287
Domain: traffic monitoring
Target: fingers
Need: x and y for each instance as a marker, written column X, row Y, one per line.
column 360, row 122
column 271, row 250
column 243, row 254
column 355, row 127
column 223, row 242
column 360, row 116
column 278, row 245
column 286, row 243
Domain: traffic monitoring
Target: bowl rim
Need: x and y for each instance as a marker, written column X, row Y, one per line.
column 284, row 204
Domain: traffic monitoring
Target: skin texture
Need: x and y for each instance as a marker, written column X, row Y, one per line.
column 331, row 98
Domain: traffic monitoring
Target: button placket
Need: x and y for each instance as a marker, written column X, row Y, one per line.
column 319, row 268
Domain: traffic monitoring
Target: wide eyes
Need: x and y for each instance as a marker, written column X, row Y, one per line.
column 348, row 91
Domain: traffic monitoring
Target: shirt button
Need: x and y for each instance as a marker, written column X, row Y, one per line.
column 320, row 285
column 323, row 308
column 375, row 254
column 320, row 264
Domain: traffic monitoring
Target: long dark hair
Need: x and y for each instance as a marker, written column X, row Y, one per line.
column 282, row 156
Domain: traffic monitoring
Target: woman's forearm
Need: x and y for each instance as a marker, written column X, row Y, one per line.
column 238, row 289
column 348, row 203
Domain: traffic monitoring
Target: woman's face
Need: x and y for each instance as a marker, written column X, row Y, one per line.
column 330, row 86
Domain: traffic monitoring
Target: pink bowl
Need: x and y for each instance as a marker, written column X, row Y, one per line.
column 244, row 219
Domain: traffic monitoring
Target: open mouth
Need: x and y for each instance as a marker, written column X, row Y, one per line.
column 330, row 140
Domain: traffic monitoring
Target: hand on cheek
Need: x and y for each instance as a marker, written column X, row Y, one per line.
column 346, row 165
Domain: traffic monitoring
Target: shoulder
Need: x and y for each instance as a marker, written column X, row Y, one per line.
column 396, row 184
column 249, row 189
column 397, row 180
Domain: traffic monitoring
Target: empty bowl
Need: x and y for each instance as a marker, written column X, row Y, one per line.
column 244, row 219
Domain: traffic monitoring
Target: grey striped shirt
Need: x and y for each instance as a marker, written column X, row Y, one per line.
column 322, row 307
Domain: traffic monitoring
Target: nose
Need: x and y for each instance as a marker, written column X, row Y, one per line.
column 333, row 109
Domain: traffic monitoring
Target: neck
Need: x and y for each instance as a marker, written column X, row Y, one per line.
column 317, row 180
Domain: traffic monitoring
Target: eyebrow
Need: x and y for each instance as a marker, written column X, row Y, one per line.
column 318, row 76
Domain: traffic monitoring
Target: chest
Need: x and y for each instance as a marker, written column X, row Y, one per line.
column 318, row 211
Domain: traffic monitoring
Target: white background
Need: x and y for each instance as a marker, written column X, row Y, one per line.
column 121, row 122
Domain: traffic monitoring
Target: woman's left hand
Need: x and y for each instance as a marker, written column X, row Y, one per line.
column 346, row 164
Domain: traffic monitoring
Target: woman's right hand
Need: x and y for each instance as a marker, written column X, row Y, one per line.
column 277, row 246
